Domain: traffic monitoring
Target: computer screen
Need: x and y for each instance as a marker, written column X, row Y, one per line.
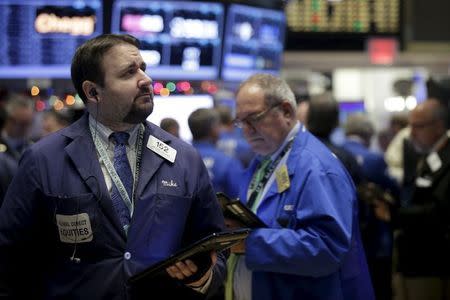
column 179, row 39
column 39, row 37
column 179, row 107
column 343, row 25
column 253, row 42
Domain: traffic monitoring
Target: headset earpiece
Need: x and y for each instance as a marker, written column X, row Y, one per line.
column 93, row 92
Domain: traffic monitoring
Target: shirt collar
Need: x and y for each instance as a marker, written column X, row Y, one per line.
column 288, row 138
column 104, row 132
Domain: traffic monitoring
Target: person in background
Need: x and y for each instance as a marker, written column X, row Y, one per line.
column 14, row 137
column 377, row 230
column 54, row 120
column 8, row 165
column 225, row 171
column 302, row 111
column 397, row 122
column 231, row 140
column 311, row 248
column 171, row 126
column 324, row 107
column 424, row 224
column 108, row 196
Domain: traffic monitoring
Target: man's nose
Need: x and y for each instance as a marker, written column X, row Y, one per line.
column 145, row 81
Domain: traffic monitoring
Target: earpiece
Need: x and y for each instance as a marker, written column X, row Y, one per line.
column 75, row 259
column 93, row 92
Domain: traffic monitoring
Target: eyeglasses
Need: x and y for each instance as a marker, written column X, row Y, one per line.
column 253, row 119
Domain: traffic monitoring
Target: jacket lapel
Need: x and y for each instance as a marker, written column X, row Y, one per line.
column 150, row 161
column 83, row 154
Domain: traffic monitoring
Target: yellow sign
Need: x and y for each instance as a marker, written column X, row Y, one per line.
column 283, row 181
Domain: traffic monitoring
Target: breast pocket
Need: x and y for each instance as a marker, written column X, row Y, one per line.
column 76, row 218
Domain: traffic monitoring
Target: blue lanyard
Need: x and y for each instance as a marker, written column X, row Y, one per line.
column 112, row 171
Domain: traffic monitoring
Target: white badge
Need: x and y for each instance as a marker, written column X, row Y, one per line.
column 74, row 228
column 423, row 182
column 434, row 161
column 161, row 148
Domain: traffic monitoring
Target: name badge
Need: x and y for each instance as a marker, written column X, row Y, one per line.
column 423, row 182
column 74, row 228
column 282, row 177
column 161, row 148
column 434, row 161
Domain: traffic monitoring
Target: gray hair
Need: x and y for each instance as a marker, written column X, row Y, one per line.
column 275, row 89
column 360, row 125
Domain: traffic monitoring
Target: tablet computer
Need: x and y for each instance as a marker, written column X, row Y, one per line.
column 218, row 241
column 235, row 209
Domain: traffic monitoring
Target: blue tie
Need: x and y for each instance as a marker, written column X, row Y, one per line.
column 123, row 169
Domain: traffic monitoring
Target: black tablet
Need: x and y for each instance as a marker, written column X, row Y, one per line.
column 235, row 209
column 218, row 241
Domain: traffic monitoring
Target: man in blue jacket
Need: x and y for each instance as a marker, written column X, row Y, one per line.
column 225, row 171
column 73, row 226
column 311, row 248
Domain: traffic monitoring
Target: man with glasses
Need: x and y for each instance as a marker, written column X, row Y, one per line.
column 311, row 247
column 424, row 241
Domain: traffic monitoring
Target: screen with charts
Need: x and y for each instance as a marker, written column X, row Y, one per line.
column 179, row 40
column 340, row 24
column 253, row 42
column 39, row 37
column 179, row 107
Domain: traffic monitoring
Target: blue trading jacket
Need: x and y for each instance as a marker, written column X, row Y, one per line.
column 374, row 169
column 312, row 248
column 225, row 171
column 60, row 175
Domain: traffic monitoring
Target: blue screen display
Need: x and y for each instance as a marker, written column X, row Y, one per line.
column 39, row 37
column 254, row 42
column 179, row 40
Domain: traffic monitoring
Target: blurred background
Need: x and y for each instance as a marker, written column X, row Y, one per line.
column 377, row 56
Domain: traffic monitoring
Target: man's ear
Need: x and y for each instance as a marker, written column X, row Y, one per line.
column 287, row 110
column 90, row 89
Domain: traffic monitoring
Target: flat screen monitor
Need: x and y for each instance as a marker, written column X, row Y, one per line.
column 346, row 108
column 179, row 40
column 179, row 107
column 346, row 25
column 253, row 42
column 39, row 37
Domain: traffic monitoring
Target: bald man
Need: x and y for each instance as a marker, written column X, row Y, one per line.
column 424, row 244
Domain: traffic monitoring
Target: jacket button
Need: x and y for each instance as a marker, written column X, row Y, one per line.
column 127, row 255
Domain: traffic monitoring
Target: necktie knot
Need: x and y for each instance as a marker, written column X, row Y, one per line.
column 120, row 137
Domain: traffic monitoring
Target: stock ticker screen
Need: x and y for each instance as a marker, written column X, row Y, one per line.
column 253, row 42
column 39, row 37
column 340, row 24
column 179, row 40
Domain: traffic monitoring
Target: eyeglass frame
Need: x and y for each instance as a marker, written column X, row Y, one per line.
column 252, row 119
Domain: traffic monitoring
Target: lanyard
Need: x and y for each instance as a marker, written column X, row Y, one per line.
column 112, row 171
column 257, row 187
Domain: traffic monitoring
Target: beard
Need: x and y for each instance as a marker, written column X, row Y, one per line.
column 138, row 114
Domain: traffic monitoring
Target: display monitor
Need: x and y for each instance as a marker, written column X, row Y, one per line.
column 179, row 107
column 39, row 37
column 179, row 40
column 253, row 42
column 344, row 25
